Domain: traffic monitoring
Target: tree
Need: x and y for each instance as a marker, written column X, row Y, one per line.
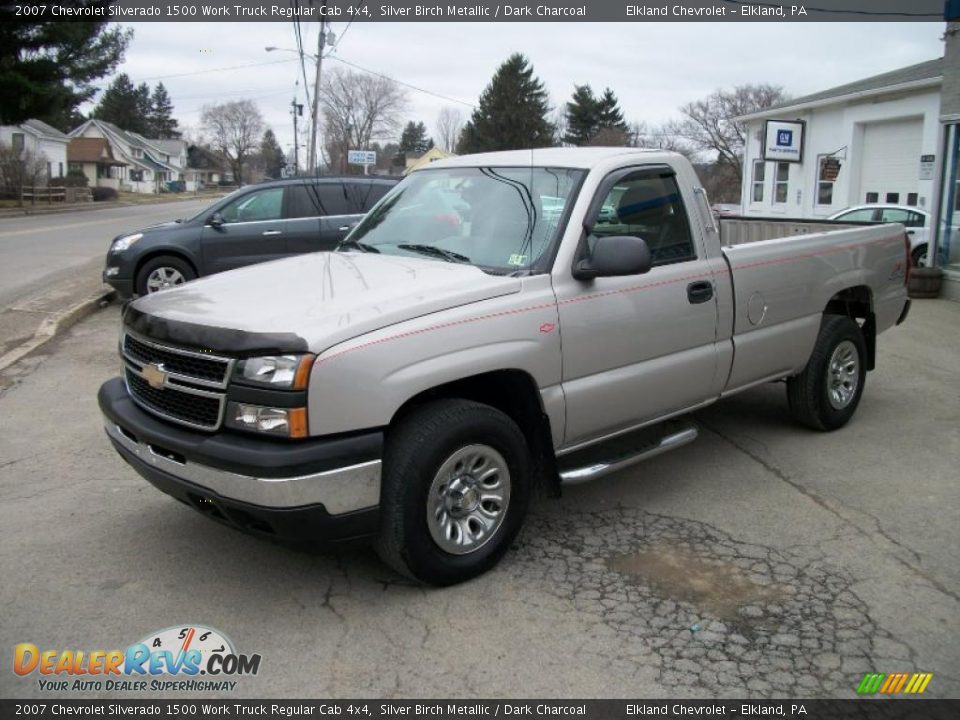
column 47, row 69
column 581, row 116
column 594, row 121
column 710, row 124
column 162, row 124
column 271, row 155
column 125, row 106
column 512, row 112
column 358, row 108
column 414, row 139
column 20, row 168
column 449, row 124
column 234, row 129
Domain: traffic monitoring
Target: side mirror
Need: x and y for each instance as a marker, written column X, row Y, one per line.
column 614, row 256
column 215, row 220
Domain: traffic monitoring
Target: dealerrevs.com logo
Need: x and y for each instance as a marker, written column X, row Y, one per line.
column 183, row 657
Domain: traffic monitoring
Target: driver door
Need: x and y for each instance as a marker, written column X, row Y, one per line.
column 639, row 347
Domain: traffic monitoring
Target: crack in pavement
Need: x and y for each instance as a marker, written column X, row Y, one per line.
column 829, row 507
column 703, row 610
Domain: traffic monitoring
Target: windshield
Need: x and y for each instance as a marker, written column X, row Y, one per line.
column 499, row 219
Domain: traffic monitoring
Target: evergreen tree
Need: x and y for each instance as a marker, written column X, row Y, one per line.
column 144, row 123
column 414, row 139
column 162, row 122
column 47, row 68
column 271, row 155
column 581, row 116
column 123, row 105
column 609, row 114
column 512, row 113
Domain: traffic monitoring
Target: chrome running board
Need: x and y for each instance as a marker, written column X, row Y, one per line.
column 591, row 471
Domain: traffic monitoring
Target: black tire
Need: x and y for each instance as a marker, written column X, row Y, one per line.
column 416, row 451
column 152, row 265
column 918, row 254
column 809, row 393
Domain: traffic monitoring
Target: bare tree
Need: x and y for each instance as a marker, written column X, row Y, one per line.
column 449, row 125
column 235, row 129
column 20, row 168
column 710, row 124
column 667, row 136
column 357, row 109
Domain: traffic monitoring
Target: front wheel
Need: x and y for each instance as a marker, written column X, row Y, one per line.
column 161, row 273
column 826, row 394
column 456, row 487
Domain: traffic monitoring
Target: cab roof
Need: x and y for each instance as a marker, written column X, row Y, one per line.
column 574, row 157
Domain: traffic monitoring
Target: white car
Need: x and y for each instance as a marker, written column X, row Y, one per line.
column 915, row 220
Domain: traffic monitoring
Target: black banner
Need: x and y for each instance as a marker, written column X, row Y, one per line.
column 479, row 11
column 914, row 709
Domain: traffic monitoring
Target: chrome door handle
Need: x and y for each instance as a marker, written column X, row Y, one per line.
column 271, row 232
column 343, row 228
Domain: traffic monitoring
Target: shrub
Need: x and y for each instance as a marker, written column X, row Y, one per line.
column 70, row 181
column 104, row 193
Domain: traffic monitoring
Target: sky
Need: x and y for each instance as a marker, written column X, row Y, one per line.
column 652, row 67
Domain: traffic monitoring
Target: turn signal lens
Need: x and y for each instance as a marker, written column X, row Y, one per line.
column 285, row 422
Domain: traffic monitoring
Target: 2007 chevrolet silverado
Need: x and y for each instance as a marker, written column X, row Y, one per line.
column 496, row 321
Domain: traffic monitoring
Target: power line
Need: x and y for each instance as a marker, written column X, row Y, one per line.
column 212, row 70
column 401, row 82
column 356, row 9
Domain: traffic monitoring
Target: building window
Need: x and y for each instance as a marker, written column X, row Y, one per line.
column 759, row 175
column 912, row 199
column 825, row 193
column 16, row 141
column 872, row 197
column 781, row 182
column 893, row 198
column 60, row 169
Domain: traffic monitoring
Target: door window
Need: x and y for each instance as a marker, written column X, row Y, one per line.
column 781, row 183
column 329, row 198
column 266, row 204
column 648, row 206
column 364, row 195
column 906, row 217
column 862, row 215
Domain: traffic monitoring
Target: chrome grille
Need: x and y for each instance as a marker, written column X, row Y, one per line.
column 183, row 386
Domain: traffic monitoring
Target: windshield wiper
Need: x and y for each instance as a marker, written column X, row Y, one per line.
column 435, row 251
column 363, row 247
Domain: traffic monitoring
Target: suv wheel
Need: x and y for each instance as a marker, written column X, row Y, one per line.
column 161, row 273
column 455, row 491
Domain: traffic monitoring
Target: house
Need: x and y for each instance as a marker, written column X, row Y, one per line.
column 42, row 141
column 205, row 167
column 143, row 165
column 417, row 161
column 874, row 140
column 94, row 158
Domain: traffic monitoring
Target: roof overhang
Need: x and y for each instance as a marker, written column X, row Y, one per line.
column 841, row 99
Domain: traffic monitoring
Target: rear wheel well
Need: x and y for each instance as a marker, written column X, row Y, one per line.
column 514, row 393
column 857, row 303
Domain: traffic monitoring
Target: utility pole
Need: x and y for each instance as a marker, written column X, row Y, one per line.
column 297, row 110
column 321, row 43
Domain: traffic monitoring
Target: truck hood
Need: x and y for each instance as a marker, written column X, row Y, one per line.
column 308, row 302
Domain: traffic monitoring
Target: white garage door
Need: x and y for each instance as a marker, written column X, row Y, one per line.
column 890, row 170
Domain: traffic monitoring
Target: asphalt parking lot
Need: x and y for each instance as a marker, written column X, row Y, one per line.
column 764, row 560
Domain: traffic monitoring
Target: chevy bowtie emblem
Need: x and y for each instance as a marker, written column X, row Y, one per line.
column 154, row 375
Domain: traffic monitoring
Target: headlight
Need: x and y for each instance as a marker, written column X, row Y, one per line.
column 289, row 372
column 286, row 422
column 124, row 243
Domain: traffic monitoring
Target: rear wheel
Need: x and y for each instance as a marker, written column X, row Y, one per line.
column 163, row 272
column 919, row 256
column 455, row 491
column 826, row 394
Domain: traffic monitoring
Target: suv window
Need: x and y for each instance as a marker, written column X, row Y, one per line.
column 907, row 217
column 648, row 206
column 317, row 200
column 266, row 204
column 364, row 195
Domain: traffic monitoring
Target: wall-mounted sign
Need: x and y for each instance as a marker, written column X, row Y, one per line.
column 926, row 166
column 783, row 141
column 829, row 169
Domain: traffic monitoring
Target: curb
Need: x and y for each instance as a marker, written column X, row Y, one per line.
column 87, row 207
column 57, row 323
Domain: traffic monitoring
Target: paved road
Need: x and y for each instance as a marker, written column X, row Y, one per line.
column 763, row 560
column 38, row 251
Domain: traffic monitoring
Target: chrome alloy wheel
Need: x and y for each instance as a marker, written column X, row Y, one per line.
column 163, row 278
column 843, row 375
column 468, row 499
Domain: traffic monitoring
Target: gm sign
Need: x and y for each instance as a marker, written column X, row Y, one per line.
column 783, row 141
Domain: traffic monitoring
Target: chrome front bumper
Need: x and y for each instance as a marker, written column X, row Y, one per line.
column 341, row 490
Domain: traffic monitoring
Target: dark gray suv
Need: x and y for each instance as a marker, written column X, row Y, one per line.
column 254, row 224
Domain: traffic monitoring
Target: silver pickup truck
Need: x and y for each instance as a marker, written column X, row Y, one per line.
column 496, row 323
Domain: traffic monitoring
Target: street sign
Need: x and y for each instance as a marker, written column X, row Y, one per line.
column 362, row 157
